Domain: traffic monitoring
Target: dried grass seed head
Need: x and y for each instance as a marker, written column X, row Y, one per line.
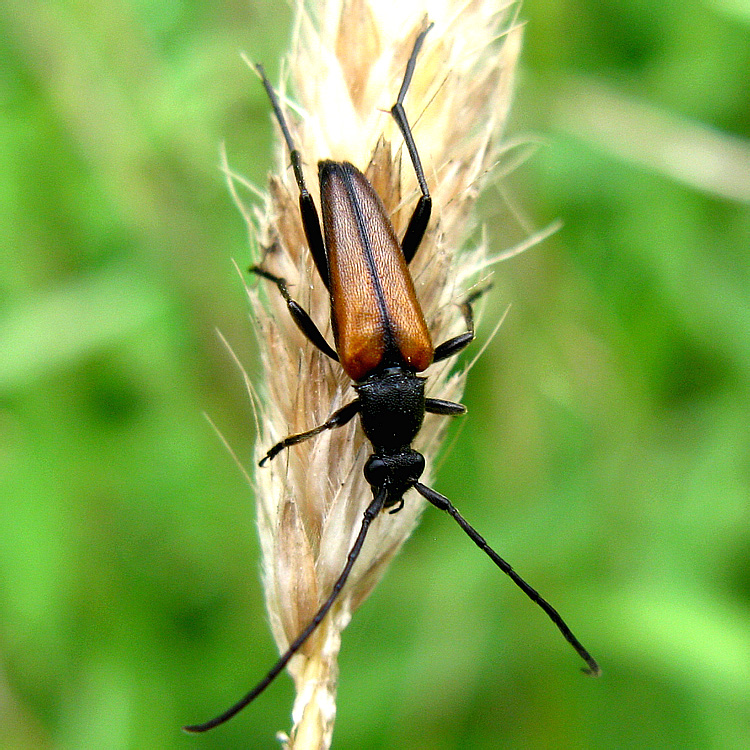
column 346, row 68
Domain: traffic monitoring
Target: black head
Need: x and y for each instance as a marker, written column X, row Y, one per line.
column 397, row 471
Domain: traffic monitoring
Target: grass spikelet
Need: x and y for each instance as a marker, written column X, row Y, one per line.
column 345, row 69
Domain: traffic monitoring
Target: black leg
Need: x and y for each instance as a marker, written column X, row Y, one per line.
column 457, row 343
column 421, row 216
column 301, row 318
column 372, row 511
column 446, row 408
column 339, row 419
column 310, row 220
column 442, row 502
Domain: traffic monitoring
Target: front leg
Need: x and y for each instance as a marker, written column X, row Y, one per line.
column 446, row 408
column 339, row 419
column 301, row 318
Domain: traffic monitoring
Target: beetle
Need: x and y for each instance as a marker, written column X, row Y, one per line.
column 382, row 343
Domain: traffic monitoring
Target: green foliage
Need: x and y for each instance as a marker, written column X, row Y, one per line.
column 606, row 452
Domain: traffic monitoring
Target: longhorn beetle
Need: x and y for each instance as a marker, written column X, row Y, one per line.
column 365, row 269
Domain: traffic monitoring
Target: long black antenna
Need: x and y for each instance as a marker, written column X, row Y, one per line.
column 442, row 502
column 372, row 511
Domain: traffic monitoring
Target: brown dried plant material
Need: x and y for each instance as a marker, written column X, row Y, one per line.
column 346, row 66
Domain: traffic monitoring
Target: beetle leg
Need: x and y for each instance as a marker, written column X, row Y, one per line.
column 457, row 343
column 339, row 419
column 310, row 220
column 421, row 216
column 446, row 408
column 301, row 318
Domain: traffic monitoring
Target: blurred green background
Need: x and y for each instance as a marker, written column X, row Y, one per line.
column 608, row 441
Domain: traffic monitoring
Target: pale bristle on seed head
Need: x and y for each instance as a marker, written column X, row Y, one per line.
column 345, row 70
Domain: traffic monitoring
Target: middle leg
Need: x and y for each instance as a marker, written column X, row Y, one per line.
column 301, row 318
column 457, row 343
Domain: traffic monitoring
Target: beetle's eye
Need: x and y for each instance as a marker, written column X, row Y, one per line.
column 418, row 463
column 376, row 471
